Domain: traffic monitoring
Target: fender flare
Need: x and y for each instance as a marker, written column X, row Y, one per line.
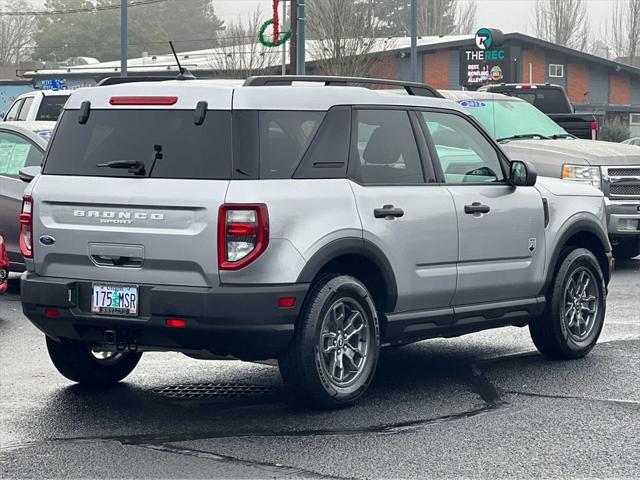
column 354, row 246
column 577, row 224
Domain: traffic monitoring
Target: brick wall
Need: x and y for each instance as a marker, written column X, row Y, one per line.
column 436, row 69
column 386, row 67
column 619, row 89
column 577, row 83
column 537, row 61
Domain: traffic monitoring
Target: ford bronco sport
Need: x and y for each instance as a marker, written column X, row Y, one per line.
column 311, row 224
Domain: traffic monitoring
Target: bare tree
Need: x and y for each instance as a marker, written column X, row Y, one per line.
column 240, row 55
column 435, row 17
column 564, row 22
column 343, row 37
column 16, row 31
column 622, row 32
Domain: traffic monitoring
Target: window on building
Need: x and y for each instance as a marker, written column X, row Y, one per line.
column 634, row 119
column 556, row 71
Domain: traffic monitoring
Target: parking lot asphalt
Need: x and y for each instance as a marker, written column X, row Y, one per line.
column 485, row 405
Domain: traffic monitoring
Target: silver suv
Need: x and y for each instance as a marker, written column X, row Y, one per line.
column 313, row 224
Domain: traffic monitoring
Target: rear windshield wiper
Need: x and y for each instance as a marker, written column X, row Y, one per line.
column 135, row 166
column 524, row 135
column 556, row 136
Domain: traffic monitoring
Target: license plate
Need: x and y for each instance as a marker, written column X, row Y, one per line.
column 115, row 300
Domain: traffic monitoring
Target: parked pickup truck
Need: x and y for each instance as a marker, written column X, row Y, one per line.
column 553, row 101
column 527, row 134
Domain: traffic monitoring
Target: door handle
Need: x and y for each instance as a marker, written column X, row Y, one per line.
column 388, row 211
column 476, row 207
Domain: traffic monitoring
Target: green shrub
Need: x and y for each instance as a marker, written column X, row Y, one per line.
column 615, row 131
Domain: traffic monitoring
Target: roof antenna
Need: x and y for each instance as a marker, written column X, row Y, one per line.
column 184, row 73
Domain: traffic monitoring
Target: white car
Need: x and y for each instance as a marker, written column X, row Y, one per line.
column 633, row 141
column 40, row 105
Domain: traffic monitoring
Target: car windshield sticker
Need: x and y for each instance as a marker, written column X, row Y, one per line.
column 6, row 150
column 18, row 158
column 471, row 103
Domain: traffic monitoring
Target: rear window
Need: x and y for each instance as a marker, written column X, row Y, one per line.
column 188, row 150
column 545, row 100
column 51, row 107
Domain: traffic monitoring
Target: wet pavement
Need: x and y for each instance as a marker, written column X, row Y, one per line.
column 485, row 405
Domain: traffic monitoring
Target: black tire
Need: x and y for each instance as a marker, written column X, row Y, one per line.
column 627, row 248
column 76, row 362
column 306, row 369
column 553, row 333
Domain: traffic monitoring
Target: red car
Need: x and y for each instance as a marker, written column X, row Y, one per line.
column 4, row 267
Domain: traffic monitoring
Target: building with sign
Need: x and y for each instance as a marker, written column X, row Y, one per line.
column 608, row 88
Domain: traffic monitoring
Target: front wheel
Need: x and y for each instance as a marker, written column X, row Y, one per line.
column 333, row 357
column 574, row 314
column 86, row 365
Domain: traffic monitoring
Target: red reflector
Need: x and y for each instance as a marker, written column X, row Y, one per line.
column 175, row 323
column 287, row 302
column 25, row 218
column 594, row 125
column 52, row 313
column 241, row 229
column 143, row 100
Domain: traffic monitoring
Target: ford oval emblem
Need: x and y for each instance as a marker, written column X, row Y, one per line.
column 47, row 240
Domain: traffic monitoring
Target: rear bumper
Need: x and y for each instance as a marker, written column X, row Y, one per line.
column 242, row 321
column 623, row 217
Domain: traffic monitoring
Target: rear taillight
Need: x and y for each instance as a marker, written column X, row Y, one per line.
column 594, row 130
column 26, row 227
column 243, row 234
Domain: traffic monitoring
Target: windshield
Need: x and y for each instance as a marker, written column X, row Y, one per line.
column 507, row 118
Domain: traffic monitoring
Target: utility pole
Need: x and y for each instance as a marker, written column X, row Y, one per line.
column 300, row 50
column 414, row 40
column 284, row 44
column 293, row 51
column 123, row 38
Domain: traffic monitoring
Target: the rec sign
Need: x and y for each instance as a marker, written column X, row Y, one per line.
column 487, row 63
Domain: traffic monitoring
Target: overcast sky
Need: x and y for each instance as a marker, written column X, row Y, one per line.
column 507, row 15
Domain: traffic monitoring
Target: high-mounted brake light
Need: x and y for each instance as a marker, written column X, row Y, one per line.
column 525, row 87
column 26, row 227
column 243, row 234
column 143, row 101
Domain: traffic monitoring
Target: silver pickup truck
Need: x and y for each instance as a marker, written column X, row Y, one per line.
column 526, row 133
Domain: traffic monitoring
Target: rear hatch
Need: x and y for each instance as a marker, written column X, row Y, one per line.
column 151, row 222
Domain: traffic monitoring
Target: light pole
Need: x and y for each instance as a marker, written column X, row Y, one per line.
column 414, row 40
column 123, row 38
column 300, row 50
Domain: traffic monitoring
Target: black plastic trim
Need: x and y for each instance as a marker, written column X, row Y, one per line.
column 353, row 246
column 575, row 225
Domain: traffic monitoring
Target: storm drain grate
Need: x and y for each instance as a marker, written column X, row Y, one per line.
column 215, row 390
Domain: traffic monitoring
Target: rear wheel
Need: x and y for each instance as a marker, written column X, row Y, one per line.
column 627, row 248
column 84, row 364
column 334, row 354
column 574, row 314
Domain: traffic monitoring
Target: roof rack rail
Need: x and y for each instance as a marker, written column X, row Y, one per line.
column 412, row 88
column 120, row 80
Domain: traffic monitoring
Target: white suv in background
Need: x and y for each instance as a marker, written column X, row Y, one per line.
column 37, row 105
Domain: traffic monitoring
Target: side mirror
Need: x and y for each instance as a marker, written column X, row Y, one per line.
column 522, row 174
column 28, row 173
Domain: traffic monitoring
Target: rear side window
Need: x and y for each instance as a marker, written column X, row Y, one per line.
column 51, row 107
column 188, row 150
column 384, row 149
column 284, row 138
column 26, row 106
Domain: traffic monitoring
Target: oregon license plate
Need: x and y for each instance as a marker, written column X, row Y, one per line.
column 115, row 299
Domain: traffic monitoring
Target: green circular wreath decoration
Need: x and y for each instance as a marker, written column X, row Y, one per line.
column 275, row 42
